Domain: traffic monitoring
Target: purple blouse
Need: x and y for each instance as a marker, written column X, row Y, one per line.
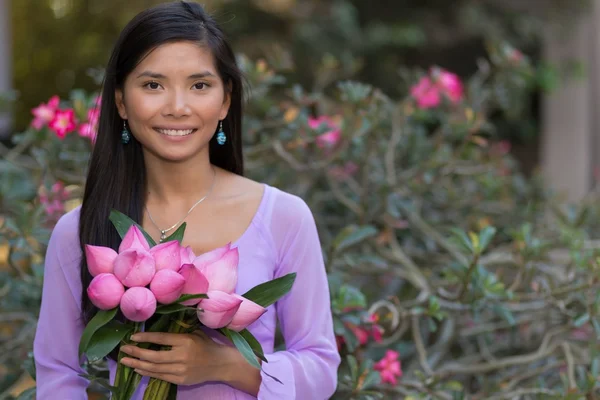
column 281, row 238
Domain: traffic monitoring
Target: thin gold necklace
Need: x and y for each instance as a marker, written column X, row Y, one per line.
column 163, row 232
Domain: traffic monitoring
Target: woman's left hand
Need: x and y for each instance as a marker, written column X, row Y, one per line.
column 193, row 358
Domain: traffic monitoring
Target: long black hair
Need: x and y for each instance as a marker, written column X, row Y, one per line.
column 116, row 177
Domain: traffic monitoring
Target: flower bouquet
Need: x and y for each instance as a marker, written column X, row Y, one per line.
column 166, row 288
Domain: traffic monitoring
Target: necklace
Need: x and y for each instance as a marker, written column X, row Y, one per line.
column 163, row 232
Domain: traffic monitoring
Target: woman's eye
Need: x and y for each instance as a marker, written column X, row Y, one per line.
column 200, row 85
column 152, row 85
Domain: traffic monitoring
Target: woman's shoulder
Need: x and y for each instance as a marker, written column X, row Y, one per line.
column 286, row 206
column 65, row 234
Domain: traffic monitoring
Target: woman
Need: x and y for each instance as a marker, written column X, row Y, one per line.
column 169, row 150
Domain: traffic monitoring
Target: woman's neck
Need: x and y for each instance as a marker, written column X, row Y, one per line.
column 179, row 184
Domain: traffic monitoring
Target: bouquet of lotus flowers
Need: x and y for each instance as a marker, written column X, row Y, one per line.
column 176, row 290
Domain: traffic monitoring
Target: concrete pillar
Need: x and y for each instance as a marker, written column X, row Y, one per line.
column 567, row 125
column 570, row 145
column 5, row 65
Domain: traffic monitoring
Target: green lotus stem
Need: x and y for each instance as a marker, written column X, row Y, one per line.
column 125, row 378
column 158, row 389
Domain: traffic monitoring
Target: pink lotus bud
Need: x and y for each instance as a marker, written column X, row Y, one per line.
column 138, row 304
column 134, row 239
column 167, row 286
column 187, row 255
column 105, row 291
column 212, row 256
column 248, row 312
column 195, row 283
column 166, row 256
column 221, row 273
column 99, row 259
column 135, row 267
column 218, row 310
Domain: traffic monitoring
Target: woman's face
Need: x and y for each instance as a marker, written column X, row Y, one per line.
column 173, row 101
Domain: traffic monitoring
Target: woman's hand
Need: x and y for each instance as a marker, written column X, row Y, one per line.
column 193, row 358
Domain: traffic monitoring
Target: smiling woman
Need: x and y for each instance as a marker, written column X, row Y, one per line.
column 169, row 151
column 174, row 101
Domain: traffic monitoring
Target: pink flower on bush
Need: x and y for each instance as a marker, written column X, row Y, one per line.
column 44, row 113
column 429, row 90
column 63, row 122
column 389, row 367
column 343, row 172
column 330, row 138
column 93, row 115
column 89, row 129
column 53, row 201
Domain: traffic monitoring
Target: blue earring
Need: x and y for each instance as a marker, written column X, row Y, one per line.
column 221, row 138
column 125, row 135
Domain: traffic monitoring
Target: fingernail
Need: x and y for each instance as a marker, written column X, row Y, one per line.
column 134, row 337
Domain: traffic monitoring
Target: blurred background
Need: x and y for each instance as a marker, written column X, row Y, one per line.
column 450, row 151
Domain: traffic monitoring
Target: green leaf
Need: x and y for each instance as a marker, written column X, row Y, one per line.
column 582, row 320
column 106, row 339
column 353, row 366
column 463, row 239
column 254, row 344
column 373, row 378
column 178, row 234
column 485, row 237
column 352, row 235
column 269, row 292
column 506, row 314
column 101, row 381
column 242, row 345
column 100, row 319
column 122, row 224
column 185, row 297
column 28, row 394
column 172, row 308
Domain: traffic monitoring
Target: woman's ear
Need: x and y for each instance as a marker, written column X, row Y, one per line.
column 226, row 101
column 120, row 102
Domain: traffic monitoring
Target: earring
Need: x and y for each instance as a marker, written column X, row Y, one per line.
column 125, row 135
column 221, row 138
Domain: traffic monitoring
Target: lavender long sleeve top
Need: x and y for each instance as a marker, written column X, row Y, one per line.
column 281, row 238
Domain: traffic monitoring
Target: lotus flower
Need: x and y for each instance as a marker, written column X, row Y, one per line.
column 134, row 239
column 105, row 291
column 213, row 255
column 248, row 312
column 166, row 256
column 195, row 283
column 220, row 268
column 135, row 267
column 218, row 310
column 186, row 255
column 167, row 286
column 99, row 259
column 138, row 304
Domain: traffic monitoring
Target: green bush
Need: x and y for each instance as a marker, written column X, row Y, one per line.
column 437, row 248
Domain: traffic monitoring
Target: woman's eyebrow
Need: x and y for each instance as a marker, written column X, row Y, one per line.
column 157, row 75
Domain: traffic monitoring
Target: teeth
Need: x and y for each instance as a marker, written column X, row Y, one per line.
column 175, row 132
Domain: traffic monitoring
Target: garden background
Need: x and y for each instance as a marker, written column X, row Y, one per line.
column 449, row 151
